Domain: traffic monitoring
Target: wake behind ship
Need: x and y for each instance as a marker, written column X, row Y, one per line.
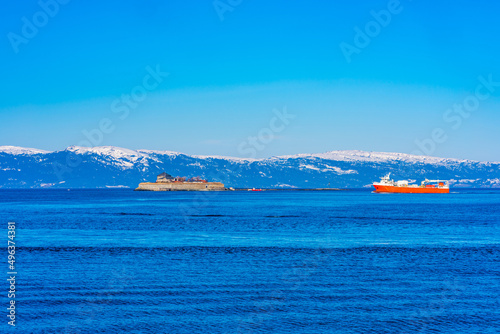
column 386, row 185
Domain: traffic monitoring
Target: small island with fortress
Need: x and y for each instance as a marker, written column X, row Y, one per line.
column 165, row 182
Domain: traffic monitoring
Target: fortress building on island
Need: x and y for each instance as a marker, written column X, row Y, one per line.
column 165, row 182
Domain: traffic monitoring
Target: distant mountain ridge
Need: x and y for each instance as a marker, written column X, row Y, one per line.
column 109, row 166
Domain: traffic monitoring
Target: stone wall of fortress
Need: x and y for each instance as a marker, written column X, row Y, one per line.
column 181, row 186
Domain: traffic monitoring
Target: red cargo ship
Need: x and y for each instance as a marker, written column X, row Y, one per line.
column 386, row 185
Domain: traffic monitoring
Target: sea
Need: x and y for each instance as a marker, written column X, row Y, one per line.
column 350, row 261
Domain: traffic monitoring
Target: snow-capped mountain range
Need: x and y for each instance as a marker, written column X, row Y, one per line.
column 108, row 166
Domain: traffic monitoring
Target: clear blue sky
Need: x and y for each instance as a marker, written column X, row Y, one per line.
column 227, row 76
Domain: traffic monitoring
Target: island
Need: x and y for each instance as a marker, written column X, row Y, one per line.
column 165, row 182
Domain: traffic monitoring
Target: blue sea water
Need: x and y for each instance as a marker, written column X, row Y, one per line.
column 119, row 261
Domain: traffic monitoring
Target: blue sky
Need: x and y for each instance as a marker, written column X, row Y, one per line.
column 226, row 78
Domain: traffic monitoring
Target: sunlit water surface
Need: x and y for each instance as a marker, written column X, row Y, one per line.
column 115, row 261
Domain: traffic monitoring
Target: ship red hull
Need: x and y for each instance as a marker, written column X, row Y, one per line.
column 410, row 190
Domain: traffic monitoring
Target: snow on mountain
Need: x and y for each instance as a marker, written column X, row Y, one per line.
column 221, row 157
column 122, row 157
column 158, row 152
column 363, row 156
column 113, row 155
column 110, row 166
column 327, row 168
column 109, row 151
column 15, row 150
column 346, row 155
column 494, row 182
